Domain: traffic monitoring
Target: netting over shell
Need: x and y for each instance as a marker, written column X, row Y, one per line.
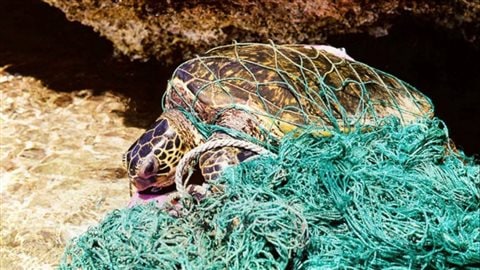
column 390, row 192
column 395, row 196
column 286, row 87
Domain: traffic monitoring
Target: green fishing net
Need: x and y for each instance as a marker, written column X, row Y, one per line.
column 396, row 196
column 370, row 180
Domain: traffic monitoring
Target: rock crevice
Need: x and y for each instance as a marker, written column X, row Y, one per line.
column 172, row 31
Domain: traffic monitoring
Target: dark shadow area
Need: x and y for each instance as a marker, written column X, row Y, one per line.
column 37, row 40
column 438, row 63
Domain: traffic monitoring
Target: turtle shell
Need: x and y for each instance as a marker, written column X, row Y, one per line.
column 291, row 86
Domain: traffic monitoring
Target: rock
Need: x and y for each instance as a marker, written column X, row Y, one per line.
column 172, row 31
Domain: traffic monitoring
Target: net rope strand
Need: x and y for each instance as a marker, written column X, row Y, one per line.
column 185, row 162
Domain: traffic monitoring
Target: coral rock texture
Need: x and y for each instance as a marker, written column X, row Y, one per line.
column 171, row 30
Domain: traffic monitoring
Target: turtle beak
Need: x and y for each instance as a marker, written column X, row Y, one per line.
column 142, row 183
column 153, row 183
column 148, row 191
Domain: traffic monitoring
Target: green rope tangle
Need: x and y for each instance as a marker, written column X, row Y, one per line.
column 365, row 177
column 394, row 196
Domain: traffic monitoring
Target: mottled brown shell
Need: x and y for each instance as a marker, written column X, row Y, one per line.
column 291, row 86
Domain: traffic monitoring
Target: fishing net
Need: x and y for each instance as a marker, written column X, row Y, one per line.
column 394, row 196
column 370, row 180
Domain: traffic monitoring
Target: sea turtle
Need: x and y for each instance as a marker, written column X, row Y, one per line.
column 260, row 92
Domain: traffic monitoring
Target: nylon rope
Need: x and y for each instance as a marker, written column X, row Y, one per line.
column 194, row 153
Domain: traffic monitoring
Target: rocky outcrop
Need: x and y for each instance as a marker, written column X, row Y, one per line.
column 171, row 30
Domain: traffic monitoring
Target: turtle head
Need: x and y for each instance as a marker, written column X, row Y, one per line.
column 151, row 161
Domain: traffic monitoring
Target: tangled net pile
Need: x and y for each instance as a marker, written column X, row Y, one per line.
column 395, row 196
column 376, row 191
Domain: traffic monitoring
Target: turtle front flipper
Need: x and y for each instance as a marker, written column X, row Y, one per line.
column 214, row 161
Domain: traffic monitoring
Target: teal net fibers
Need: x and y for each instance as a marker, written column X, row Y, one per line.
column 394, row 196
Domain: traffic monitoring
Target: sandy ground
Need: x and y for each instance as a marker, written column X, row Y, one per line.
column 60, row 167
